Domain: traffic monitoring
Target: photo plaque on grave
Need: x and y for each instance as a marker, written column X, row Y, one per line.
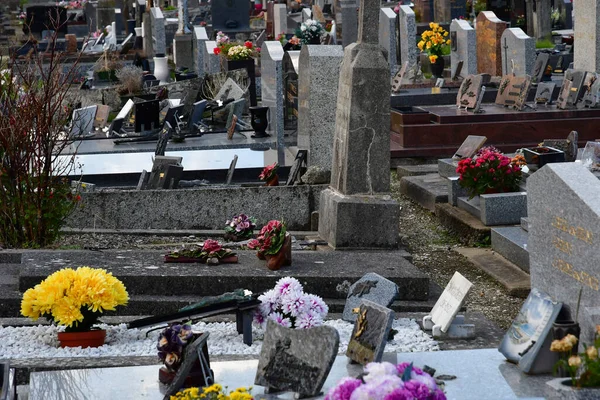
column 470, row 147
column 543, row 93
column 372, row 287
column 370, row 333
column 468, row 93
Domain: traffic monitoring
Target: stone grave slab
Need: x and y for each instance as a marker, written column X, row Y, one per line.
column 543, row 93
column 370, row 333
column 563, row 236
column 449, row 303
column 539, row 67
column 518, row 52
column 296, row 360
column 468, row 93
column 527, row 341
column 463, row 47
column 489, row 49
column 101, row 116
column 470, row 147
column 371, row 287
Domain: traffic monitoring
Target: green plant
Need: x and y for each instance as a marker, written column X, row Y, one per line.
column 170, row 8
column 545, row 43
column 479, row 5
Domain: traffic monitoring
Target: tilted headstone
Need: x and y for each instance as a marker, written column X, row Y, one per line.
column 518, row 52
column 564, row 230
column 200, row 38
column 544, row 92
column 517, row 91
column 159, row 40
column 577, row 77
column 563, row 95
column 398, row 78
column 163, row 139
column 370, row 333
column 231, row 170
column 463, row 47
column 318, row 72
column 349, row 21
column 527, row 341
column 468, row 93
column 587, row 50
column 441, row 319
column 195, row 352
column 387, row 36
column 83, row 121
column 101, row 116
column 539, row 67
column 159, row 170
column 272, row 91
column 170, row 179
column 296, row 360
column 489, row 47
column 470, row 147
column 371, row 287
column 590, row 98
column 408, row 35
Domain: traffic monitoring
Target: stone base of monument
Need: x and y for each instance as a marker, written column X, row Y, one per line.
column 457, row 330
column 427, row 190
column 183, row 52
column 358, row 221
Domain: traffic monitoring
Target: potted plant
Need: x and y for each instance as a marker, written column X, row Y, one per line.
column 389, row 381
column 290, row 307
column 310, row 32
column 583, row 368
column 293, row 43
column 489, row 171
column 542, row 155
column 273, row 244
column 240, row 227
column 269, row 175
column 211, row 252
column 434, row 42
column 75, row 299
column 213, row 392
column 106, row 67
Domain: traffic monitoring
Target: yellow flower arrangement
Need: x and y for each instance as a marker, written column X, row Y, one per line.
column 213, row 392
column 433, row 41
column 74, row 298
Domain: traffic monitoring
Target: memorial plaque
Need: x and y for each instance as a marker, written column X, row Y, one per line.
column 371, row 287
column 539, row 68
column 83, row 121
column 469, row 91
column 527, row 341
column 450, row 302
column 230, row 90
column 163, row 139
column 159, row 169
column 586, row 86
column 196, row 351
column 568, row 145
column 503, row 90
column 470, row 146
column 370, row 333
column 397, row 79
column 590, row 158
column 563, row 95
column 519, row 85
column 299, row 161
column 296, row 360
column 575, row 93
column 543, row 93
column 101, row 116
column 590, row 98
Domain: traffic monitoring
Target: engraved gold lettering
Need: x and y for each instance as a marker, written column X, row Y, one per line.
column 562, row 245
column 583, row 277
column 578, row 232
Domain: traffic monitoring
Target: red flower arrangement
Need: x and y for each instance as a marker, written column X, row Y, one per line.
column 270, row 239
column 269, row 172
column 489, row 171
column 211, row 251
column 217, row 50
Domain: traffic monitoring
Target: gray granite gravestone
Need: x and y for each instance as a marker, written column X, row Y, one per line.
column 387, row 36
column 564, row 230
column 371, row 287
column 318, row 71
column 370, row 333
column 83, row 121
column 360, row 179
column 183, row 51
column 272, row 91
column 464, row 47
column 587, row 51
column 518, row 52
column 296, row 360
column 147, row 35
column 280, row 18
column 212, row 63
column 200, row 38
column 159, row 43
column 349, row 21
column 408, row 35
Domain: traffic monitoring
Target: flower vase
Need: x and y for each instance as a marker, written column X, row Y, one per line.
column 93, row 338
column 565, row 390
column 283, row 257
column 274, row 181
column 437, row 68
column 560, row 329
column 161, row 69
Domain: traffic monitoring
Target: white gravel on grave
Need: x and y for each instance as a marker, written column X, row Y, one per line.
column 41, row 341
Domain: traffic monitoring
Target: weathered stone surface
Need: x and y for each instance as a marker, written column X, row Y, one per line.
column 319, row 68
column 212, row 63
column 159, row 41
column 587, row 51
column 518, row 50
column 370, row 333
column 147, row 35
column 183, row 54
column 199, row 45
column 503, row 208
column 426, row 190
column 465, row 45
column 563, row 235
column 349, row 21
column 489, row 32
column 316, row 175
column 511, row 243
column 408, row 35
column 371, row 287
column 272, row 91
column 387, row 36
column 297, row 360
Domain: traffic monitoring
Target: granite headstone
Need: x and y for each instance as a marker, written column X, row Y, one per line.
column 489, row 47
column 159, row 41
column 272, row 91
column 200, row 38
column 518, row 52
column 371, row 287
column 464, row 47
column 387, row 36
column 370, row 333
column 408, row 35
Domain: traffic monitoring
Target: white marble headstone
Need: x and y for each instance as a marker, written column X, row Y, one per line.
column 450, row 302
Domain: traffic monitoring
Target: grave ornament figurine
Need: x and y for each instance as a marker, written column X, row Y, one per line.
column 110, row 42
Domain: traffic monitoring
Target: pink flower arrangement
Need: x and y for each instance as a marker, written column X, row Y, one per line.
column 270, row 238
column 386, row 381
column 211, row 247
column 289, row 306
column 268, row 172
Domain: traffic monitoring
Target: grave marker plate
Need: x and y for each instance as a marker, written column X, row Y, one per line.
column 101, row 116
column 371, row 287
column 229, row 90
column 539, row 68
column 519, row 85
column 159, row 167
column 397, row 79
column 470, row 146
column 469, row 91
column 543, row 93
column 197, row 350
column 450, row 302
column 231, row 170
column 575, row 93
column 563, row 95
column 370, row 333
column 503, row 89
column 568, row 145
column 297, row 360
column 163, row 140
column 299, row 161
column 590, row 98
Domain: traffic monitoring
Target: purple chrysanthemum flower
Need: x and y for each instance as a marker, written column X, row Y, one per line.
column 317, row 304
column 375, row 370
column 259, row 319
column 287, row 285
column 269, row 302
column 280, row 319
column 419, row 390
column 295, row 303
column 399, row 394
column 309, row 319
column 344, row 389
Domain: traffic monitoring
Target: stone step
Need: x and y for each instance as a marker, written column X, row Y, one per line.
column 511, row 243
column 469, row 229
column 514, row 279
column 525, row 224
column 324, row 273
column 426, row 190
column 414, row 170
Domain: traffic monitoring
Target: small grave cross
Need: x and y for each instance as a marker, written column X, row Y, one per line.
column 505, row 48
column 368, row 22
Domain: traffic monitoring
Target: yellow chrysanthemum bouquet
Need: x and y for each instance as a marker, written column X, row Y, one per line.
column 74, row 298
column 213, row 392
column 433, row 41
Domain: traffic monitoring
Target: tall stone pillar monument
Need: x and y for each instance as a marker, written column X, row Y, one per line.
column 356, row 211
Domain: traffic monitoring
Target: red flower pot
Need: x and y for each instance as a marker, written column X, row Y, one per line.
column 93, row 338
column 274, row 181
column 283, row 257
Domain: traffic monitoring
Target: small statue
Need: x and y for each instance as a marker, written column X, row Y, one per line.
column 110, row 41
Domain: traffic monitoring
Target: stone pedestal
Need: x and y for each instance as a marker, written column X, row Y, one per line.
column 587, row 35
column 200, row 38
column 464, row 47
column 349, row 21
column 182, row 51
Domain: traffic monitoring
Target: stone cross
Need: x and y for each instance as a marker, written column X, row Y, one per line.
column 368, row 23
column 183, row 14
